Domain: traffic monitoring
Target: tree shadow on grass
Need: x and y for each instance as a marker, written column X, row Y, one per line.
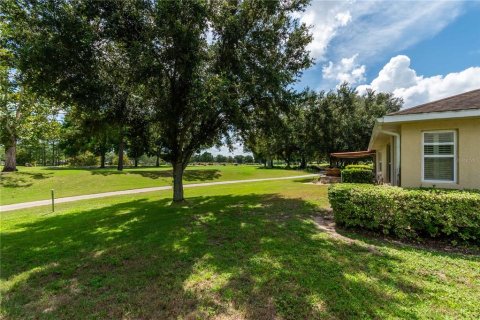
column 21, row 179
column 251, row 256
column 189, row 175
column 306, row 180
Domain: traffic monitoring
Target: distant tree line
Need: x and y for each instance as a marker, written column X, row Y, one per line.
column 219, row 158
column 320, row 123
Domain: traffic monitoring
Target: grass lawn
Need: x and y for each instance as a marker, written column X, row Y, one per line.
column 30, row 184
column 233, row 252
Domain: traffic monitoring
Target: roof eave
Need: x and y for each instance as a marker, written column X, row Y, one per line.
column 431, row 116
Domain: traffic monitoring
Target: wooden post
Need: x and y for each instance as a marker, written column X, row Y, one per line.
column 53, row 200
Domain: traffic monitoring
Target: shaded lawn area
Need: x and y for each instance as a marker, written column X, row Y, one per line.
column 30, row 184
column 246, row 251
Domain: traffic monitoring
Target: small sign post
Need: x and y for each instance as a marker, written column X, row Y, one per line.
column 53, row 200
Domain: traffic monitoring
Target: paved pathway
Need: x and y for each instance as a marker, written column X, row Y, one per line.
column 32, row 204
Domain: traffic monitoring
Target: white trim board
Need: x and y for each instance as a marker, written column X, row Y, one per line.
column 430, row 116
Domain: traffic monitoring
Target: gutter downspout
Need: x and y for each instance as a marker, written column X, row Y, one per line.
column 397, row 154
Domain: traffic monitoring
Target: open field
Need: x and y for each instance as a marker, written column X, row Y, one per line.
column 30, row 184
column 240, row 251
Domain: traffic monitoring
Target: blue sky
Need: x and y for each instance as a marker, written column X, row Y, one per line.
column 419, row 50
column 454, row 48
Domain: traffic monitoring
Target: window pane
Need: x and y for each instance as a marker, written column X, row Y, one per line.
column 439, row 137
column 443, row 149
column 439, row 169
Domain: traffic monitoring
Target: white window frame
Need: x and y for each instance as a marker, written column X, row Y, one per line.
column 455, row 159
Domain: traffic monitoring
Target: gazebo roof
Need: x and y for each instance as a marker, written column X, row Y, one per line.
column 352, row 155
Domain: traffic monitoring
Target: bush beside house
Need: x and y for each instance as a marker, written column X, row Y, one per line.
column 360, row 166
column 358, row 174
column 408, row 213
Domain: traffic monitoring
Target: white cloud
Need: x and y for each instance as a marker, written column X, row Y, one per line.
column 347, row 70
column 381, row 27
column 325, row 19
column 374, row 28
column 343, row 18
column 398, row 77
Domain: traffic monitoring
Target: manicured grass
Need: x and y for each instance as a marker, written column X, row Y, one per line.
column 30, row 184
column 232, row 252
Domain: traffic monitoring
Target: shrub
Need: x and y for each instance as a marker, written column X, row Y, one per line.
column 313, row 168
column 85, row 159
column 24, row 157
column 408, row 213
column 360, row 166
column 357, row 175
column 126, row 160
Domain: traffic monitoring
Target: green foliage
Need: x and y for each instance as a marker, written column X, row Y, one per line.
column 86, row 159
column 248, row 159
column 360, row 166
column 408, row 213
column 220, row 158
column 321, row 123
column 126, row 160
column 204, row 157
column 87, row 132
column 24, row 157
column 24, row 115
column 357, row 175
column 344, row 119
column 196, row 70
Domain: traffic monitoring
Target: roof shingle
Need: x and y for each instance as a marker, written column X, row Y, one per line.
column 465, row 101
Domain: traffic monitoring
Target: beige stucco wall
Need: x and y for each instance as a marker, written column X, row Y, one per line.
column 380, row 147
column 468, row 152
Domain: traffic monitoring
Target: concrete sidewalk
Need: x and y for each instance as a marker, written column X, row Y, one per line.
column 24, row 205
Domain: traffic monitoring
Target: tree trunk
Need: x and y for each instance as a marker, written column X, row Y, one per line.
column 11, row 157
column 102, row 159
column 44, row 154
column 303, row 163
column 178, row 169
column 121, row 146
column 53, row 153
column 136, row 162
column 157, row 163
column 270, row 163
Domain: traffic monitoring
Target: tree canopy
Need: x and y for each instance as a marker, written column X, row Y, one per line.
column 172, row 79
column 199, row 69
column 321, row 123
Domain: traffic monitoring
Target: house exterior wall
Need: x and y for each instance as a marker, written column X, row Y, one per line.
column 381, row 157
column 468, row 152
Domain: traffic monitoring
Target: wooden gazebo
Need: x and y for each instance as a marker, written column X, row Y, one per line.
column 353, row 155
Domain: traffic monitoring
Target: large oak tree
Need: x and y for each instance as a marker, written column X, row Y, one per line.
column 205, row 69
column 215, row 67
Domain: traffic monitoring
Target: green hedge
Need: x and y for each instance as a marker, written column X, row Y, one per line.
column 357, row 175
column 408, row 213
column 360, row 166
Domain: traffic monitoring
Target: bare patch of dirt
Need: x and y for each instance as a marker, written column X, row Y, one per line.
column 326, row 224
